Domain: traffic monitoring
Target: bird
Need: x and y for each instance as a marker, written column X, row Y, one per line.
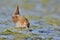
column 19, row 20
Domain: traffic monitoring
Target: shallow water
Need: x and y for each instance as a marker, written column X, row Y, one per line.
column 36, row 12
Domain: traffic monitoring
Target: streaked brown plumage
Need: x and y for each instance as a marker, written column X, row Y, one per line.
column 19, row 20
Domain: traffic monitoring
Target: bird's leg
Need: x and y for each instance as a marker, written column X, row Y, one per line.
column 27, row 29
column 15, row 26
column 21, row 28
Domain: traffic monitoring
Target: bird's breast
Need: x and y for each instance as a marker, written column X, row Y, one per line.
column 19, row 24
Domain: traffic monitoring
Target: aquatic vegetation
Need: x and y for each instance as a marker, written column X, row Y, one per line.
column 19, row 36
column 3, row 16
column 25, row 0
column 2, row 38
column 28, row 17
column 56, row 28
column 40, row 26
column 32, row 17
column 5, row 22
column 40, row 17
column 45, row 1
column 36, row 38
column 49, row 38
column 34, row 35
column 44, row 39
column 33, row 26
column 47, row 12
column 48, row 20
column 53, row 21
column 57, row 21
column 28, row 6
column 6, row 32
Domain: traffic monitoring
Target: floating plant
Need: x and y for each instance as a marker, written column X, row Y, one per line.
column 6, row 32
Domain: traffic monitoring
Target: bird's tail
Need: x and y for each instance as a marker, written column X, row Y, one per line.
column 16, row 12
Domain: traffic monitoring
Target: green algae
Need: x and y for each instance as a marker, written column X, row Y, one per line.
column 50, row 38
column 56, row 28
column 45, row 1
column 40, row 27
column 34, row 27
column 21, row 35
column 28, row 6
column 6, row 32
column 2, row 38
column 29, row 17
column 5, row 22
column 44, row 39
column 53, row 21
column 34, row 35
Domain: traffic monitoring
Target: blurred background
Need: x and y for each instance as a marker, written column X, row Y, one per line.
column 43, row 15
